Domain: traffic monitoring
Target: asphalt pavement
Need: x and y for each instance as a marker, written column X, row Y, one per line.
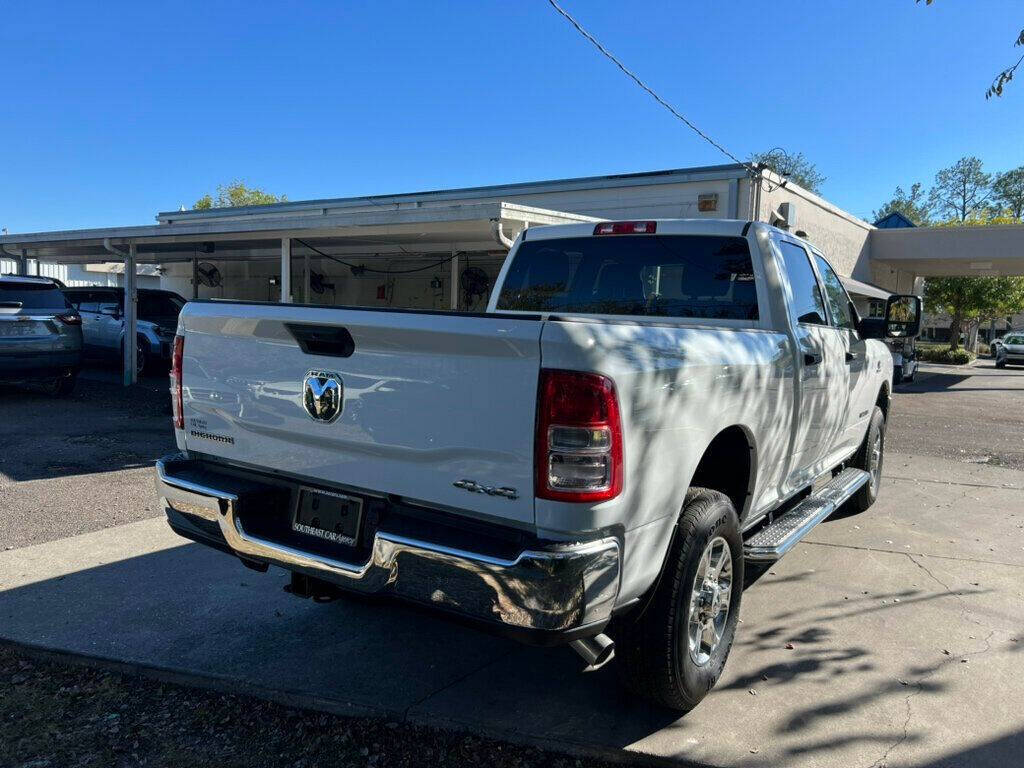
column 969, row 414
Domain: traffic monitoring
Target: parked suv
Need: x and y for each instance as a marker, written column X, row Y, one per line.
column 1010, row 350
column 102, row 311
column 40, row 334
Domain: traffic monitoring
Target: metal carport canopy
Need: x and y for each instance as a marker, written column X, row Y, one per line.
column 380, row 230
column 476, row 226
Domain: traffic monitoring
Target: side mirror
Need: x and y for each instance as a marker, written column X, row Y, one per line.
column 902, row 319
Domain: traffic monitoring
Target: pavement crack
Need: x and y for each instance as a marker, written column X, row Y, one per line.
column 955, row 482
column 918, row 684
column 919, row 554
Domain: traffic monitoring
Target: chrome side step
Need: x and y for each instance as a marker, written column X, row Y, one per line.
column 776, row 539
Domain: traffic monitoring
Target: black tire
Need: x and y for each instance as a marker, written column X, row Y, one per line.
column 865, row 459
column 653, row 653
column 64, row 386
column 140, row 356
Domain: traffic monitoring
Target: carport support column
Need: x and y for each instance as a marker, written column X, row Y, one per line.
column 455, row 281
column 286, row 270
column 130, row 375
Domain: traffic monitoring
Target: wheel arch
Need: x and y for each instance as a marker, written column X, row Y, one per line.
column 884, row 399
column 729, row 465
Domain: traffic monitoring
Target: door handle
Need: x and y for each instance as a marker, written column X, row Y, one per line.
column 851, row 356
column 812, row 358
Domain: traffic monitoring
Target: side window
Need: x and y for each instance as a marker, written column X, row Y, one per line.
column 808, row 305
column 836, row 295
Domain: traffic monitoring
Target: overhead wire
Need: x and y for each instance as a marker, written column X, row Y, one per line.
column 752, row 169
column 364, row 268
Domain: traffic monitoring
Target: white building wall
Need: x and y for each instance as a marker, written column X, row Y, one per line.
column 841, row 237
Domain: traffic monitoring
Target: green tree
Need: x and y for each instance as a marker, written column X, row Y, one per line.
column 791, row 166
column 973, row 300
column 914, row 205
column 961, row 191
column 1004, row 77
column 237, row 194
column 1008, row 191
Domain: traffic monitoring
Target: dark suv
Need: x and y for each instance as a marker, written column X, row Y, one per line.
column 40, row 334
column 102, row 311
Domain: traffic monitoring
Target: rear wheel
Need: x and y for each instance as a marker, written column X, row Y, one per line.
column 869, row 458
column 675, row 650
column 140, row 356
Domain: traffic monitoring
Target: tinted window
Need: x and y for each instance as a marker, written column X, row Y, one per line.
column 32, row 295
column 835, row 294
column 159, row 305
column 659, row 275
column 808, row 305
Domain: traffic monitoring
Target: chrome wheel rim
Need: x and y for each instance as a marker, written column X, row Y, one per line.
column 875, row 467
column 709, row 601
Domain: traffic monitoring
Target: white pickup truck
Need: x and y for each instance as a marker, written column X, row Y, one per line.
column 643, row 408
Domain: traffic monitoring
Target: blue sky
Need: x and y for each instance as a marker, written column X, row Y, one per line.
column 114, row 111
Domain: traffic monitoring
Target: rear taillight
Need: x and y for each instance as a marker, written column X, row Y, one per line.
column 578, row 453
column 626, row 228
column 70, row 318
column 177, row 404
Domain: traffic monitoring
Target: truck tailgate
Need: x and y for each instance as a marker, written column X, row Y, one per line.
column 429, row 399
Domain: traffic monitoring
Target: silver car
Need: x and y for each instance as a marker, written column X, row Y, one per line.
column 40, row 334
column 102, row 311
column 1011, row 350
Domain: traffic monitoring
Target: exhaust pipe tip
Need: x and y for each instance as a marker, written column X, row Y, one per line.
column 596, row 651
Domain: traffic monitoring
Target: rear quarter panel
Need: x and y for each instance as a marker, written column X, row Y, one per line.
column 678, row 387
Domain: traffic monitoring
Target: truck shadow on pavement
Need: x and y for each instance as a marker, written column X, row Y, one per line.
column 203, row 616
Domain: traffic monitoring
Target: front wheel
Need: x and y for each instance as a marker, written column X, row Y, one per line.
column 869, row 458
column 675, row 650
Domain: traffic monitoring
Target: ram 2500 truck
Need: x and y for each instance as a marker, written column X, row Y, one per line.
column 644, row 408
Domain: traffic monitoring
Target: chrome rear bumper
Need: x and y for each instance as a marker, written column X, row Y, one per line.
column 551, row 589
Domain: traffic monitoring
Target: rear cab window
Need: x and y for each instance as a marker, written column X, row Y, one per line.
column 808, row 303
column 675, row 276
column 28, row 296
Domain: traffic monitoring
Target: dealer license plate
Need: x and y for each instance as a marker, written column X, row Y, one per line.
column 328, row 515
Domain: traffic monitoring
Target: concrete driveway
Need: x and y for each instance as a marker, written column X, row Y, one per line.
column 891, row 638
